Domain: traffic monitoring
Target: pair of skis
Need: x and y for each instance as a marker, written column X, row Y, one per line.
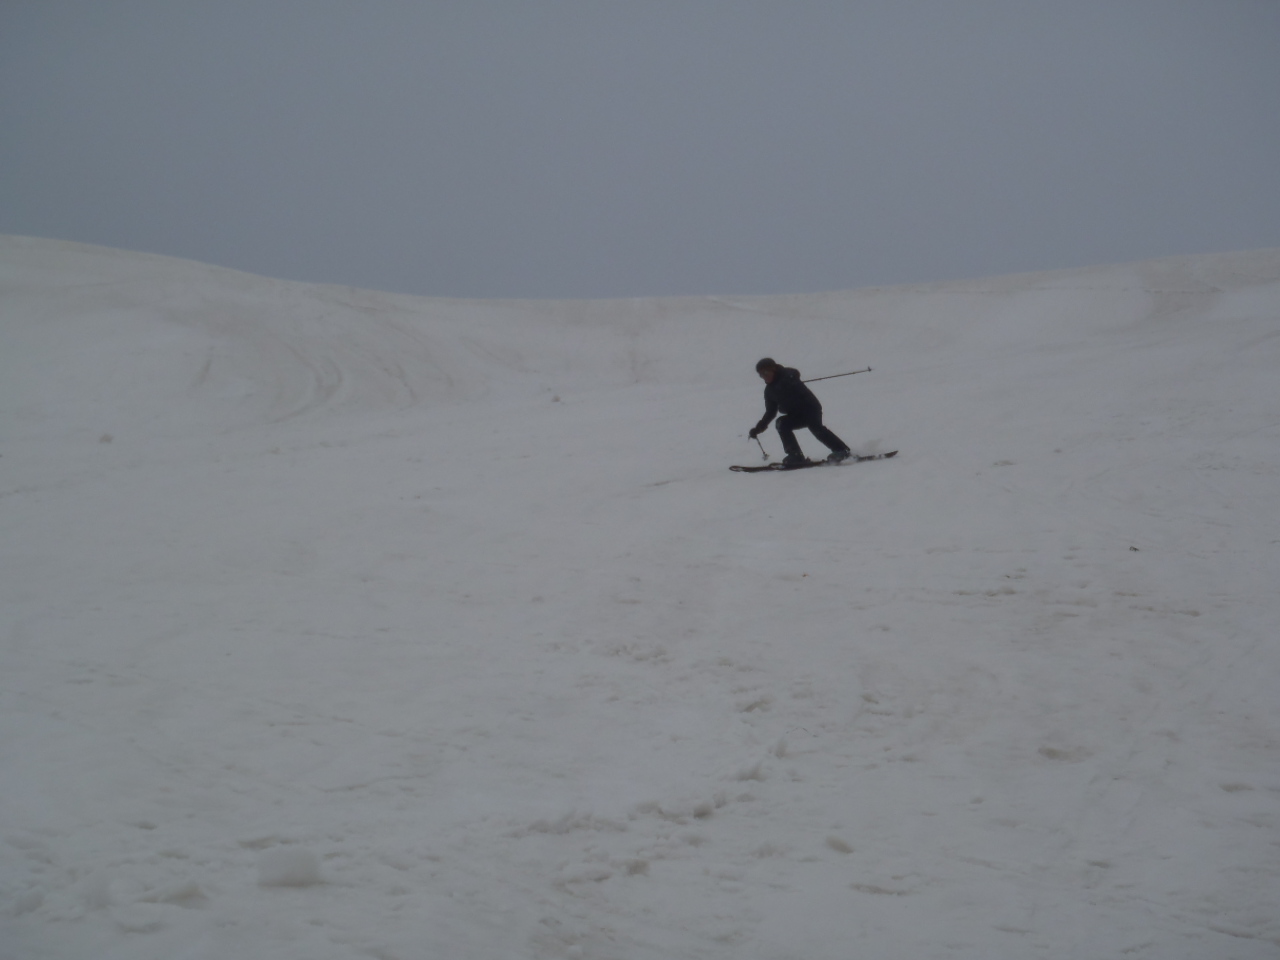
column 813, row 463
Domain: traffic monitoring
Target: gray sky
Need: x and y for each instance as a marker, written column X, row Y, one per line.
column 563, row 148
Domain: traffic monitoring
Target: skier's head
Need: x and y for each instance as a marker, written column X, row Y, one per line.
column 767, row 367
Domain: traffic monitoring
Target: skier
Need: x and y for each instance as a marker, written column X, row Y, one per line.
column 785, row 393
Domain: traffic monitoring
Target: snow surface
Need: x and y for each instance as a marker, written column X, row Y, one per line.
column 338, row 624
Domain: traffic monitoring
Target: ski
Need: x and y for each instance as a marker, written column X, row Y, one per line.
column 813, row 463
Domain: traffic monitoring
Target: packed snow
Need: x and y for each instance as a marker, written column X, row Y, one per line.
column 337, row 624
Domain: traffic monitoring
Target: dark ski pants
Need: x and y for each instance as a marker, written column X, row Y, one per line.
column 791, row 422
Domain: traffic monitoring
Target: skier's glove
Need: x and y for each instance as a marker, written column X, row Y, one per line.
column 755, row 432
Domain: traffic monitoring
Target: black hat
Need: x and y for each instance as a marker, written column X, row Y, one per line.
column 768, row 363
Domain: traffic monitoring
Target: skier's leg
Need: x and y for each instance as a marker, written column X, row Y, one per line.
column 825, row 435
column 787, row 431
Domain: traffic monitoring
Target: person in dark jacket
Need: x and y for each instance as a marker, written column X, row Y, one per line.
column 785, row 393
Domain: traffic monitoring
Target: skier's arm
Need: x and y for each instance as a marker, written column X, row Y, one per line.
column 770, row 411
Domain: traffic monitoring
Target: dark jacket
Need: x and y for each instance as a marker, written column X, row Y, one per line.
column 788, row 395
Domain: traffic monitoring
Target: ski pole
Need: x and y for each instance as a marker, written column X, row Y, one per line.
column 834, row 375
column 762, row 453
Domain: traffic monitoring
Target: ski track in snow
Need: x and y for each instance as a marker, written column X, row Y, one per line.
column 339, row 624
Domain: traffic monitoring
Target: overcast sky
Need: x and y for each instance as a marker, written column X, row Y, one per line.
column 566, row 148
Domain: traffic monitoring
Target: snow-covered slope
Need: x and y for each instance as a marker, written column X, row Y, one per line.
column 336, row 624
